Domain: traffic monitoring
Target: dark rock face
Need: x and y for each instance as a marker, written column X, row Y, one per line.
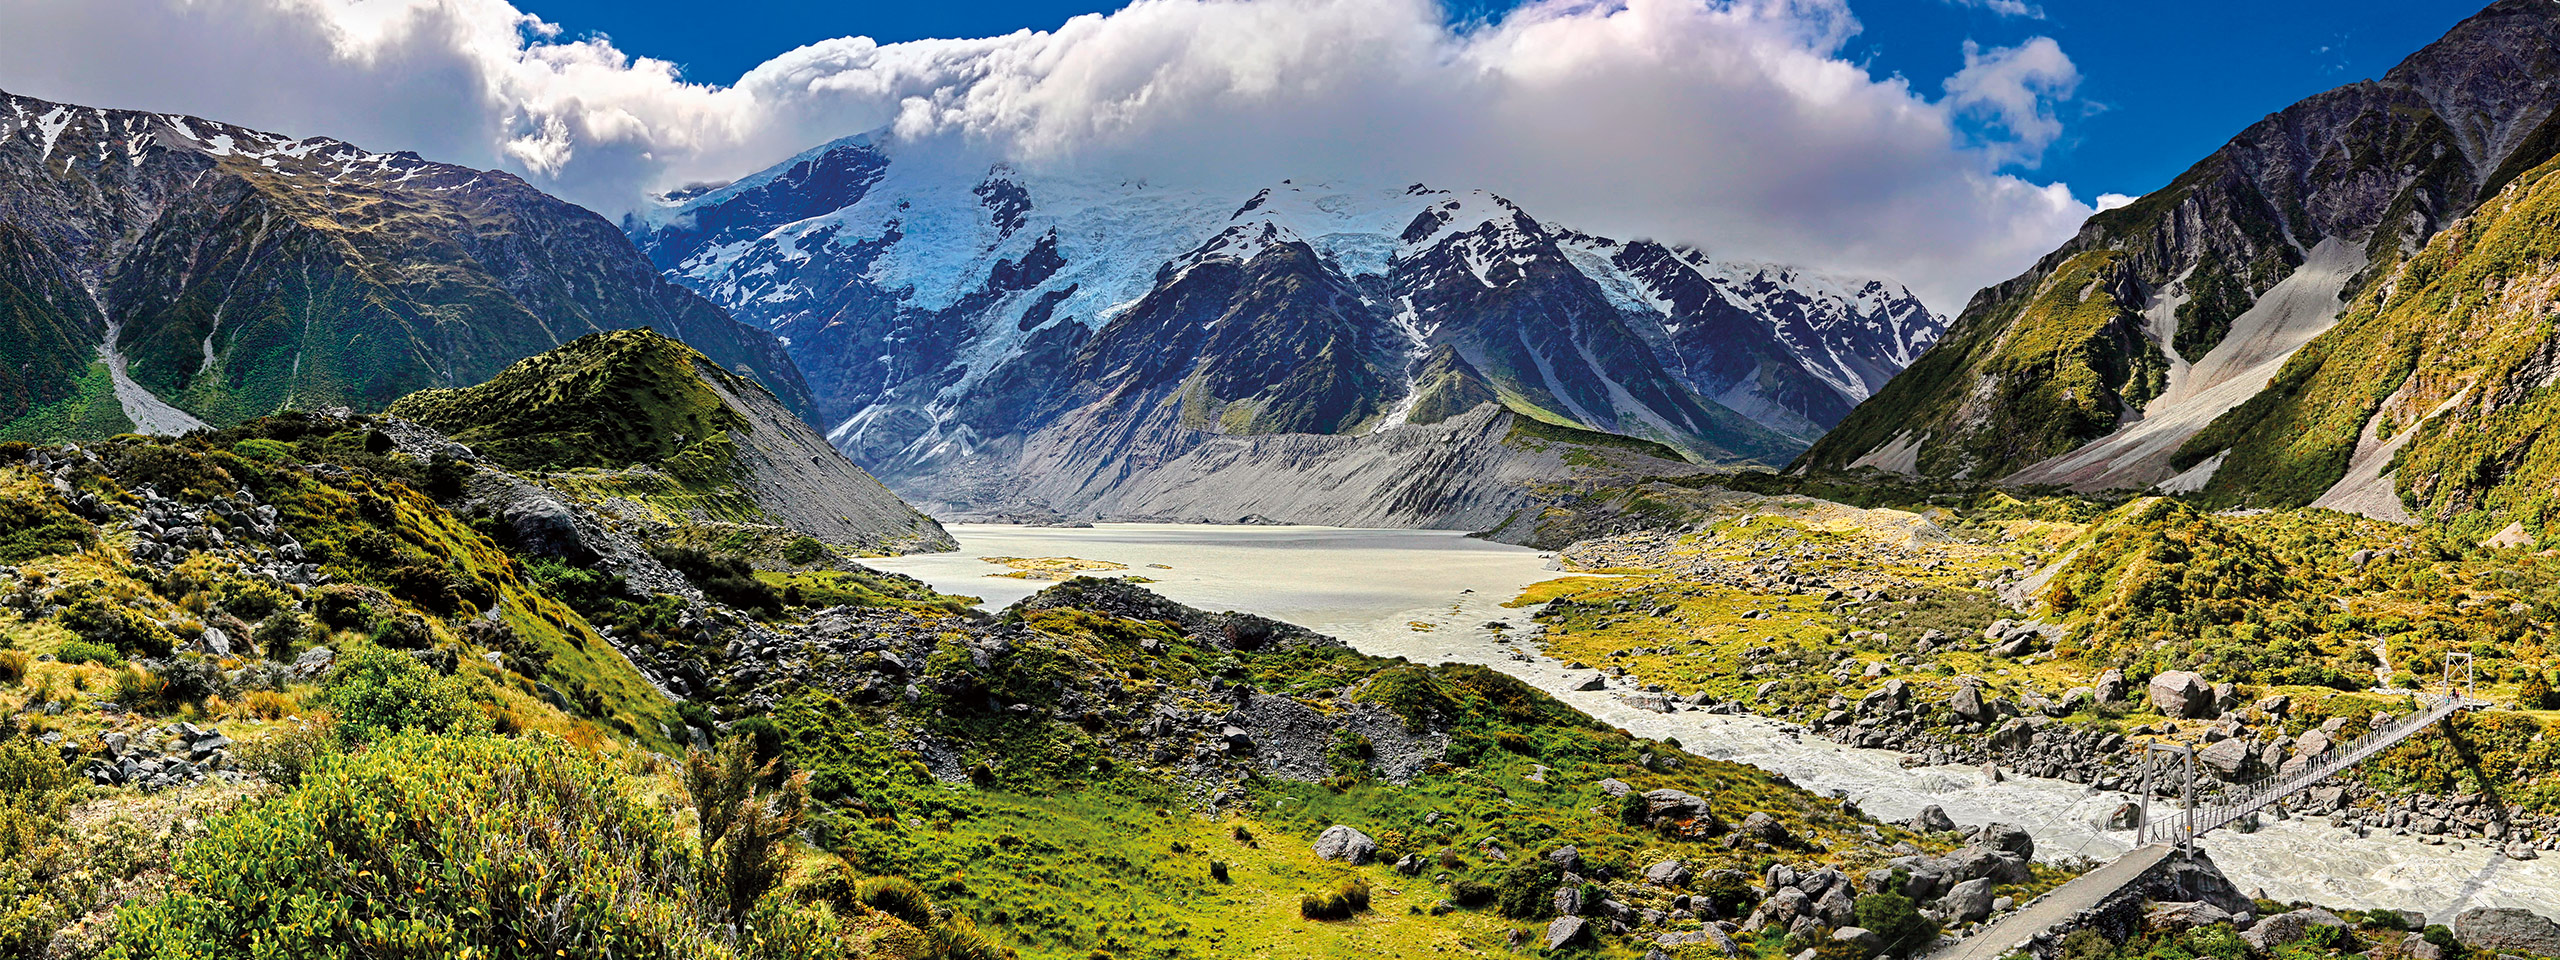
column 245, row 272
column 1049, row 341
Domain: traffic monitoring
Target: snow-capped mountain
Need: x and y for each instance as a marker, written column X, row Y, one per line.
column 954, row 318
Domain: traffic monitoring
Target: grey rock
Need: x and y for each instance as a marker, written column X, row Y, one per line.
column 2008, row 838
column 2111, row 686
column 1667, row 873
column 2283, row 928
column 1933, row 819
column 1343, row 843
column 2182, row 694
column 1862, row 938
column 2183, row 915
column 1966, row 902
column 1564, row 931
column 2508, row 930
column 2229, row 760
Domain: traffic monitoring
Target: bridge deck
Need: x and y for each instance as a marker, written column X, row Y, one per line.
column 2084, row 891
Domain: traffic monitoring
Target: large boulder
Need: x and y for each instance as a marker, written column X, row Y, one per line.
column 1668, row 873
column 2284, row 928
column 1836, row 906
column 1978, row 862
column 1339, row 842
column 2231, row 760
column 1781, row 909
column 2111, row 686
column 1669, row 804
column 1968, row 704
column 1564, row 932
column 1933, row 819
column 2508, row 930
column 2181, row 693
column 1966, row 902
column 1709, row 935
column 2008, row 838
column 1863, row 940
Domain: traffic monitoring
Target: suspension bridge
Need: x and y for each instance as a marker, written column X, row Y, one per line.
column 2155, row 843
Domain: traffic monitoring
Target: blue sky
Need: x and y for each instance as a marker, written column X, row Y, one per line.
column 2162, row 81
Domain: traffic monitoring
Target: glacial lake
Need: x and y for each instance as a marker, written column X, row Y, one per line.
column 1427, row 595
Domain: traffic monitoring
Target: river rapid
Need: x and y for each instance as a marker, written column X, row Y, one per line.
column 1379, row 589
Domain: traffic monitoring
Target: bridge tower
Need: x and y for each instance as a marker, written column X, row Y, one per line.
column 2458, row 676
column 2177, row 756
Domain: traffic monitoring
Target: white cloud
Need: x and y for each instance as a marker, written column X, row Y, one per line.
column 1730, row 123
column 2012, row 90
column 2110, row 201
column 2006, row 8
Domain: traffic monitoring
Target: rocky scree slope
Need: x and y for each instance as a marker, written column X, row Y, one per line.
column 2092, row 368
column 656, row 422
column 245, row 272
column 1045, row 324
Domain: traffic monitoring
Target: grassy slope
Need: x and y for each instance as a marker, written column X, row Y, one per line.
column 2015, row 381
column 1074, row 852
column 2273, row 601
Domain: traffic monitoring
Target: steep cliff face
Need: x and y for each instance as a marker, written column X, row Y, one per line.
column 247, row 272
column 636, row 415
column 2097, row 365
column 955, row 319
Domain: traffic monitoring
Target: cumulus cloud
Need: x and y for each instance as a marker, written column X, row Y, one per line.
column 2013, row 90
column 2110, row 201
column 1734, row 124
column 2006, row 8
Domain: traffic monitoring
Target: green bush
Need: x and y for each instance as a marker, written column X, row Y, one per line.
column 373, row 693
column 1896, row 921
column 1349, row 897
column 898, row 897
column 285, row 756
column 250, row 600
column 2218, row 942
column 723, row 578
column 536, row 850
column 2535, row 693
column 804, row 551
column 100, row 620
column 82, row 651
column 1471, row 893
column 1526, row 892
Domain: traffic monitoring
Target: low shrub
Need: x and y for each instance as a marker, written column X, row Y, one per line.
column 1526, row 892
column 374, row 693
column 804, row 551
column 99, row 620
column 1347, row 898
column 898, row 897
column 1471, row 894
column 723, row 578
column 13, row 664
column 285, row 756
column 538, row 850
